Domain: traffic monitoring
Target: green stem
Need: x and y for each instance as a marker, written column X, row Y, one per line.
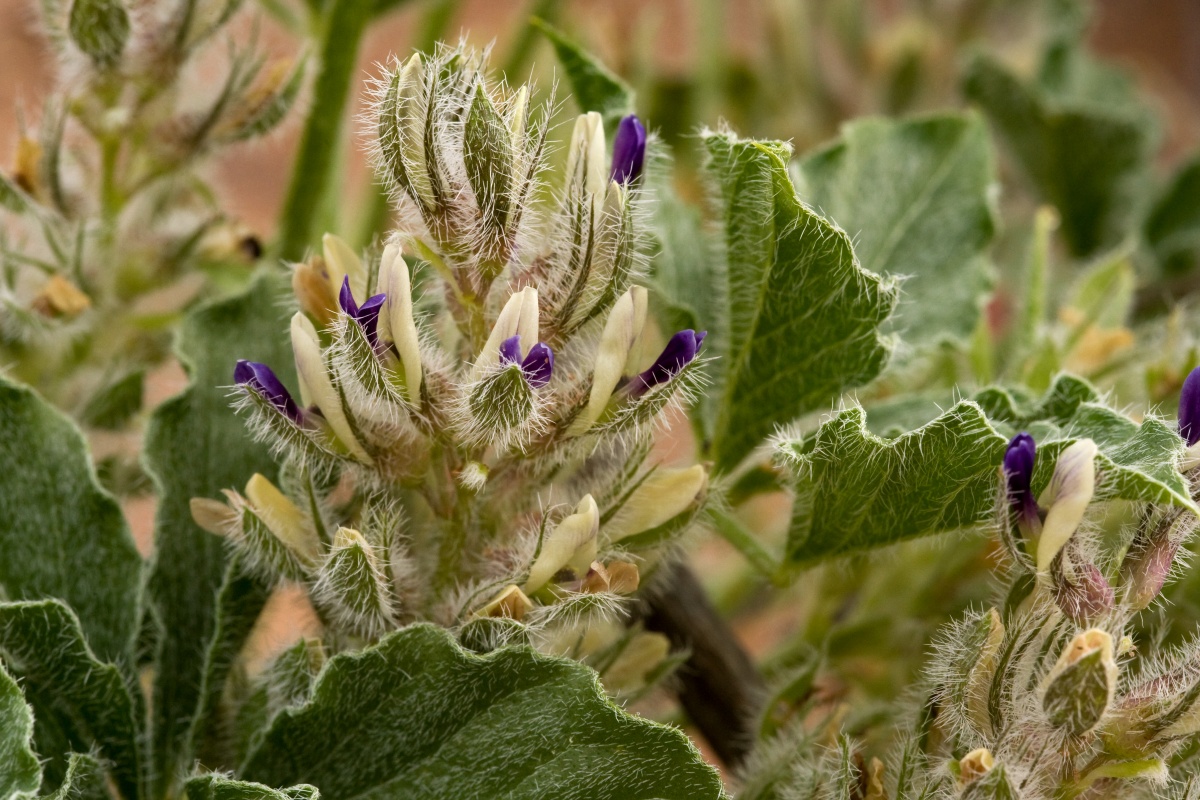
column 732, row 531
column 344, row 24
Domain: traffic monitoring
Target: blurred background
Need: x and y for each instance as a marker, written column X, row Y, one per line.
column 789, row 69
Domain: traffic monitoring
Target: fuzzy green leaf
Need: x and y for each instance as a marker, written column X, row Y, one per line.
column 100, row 29
column 913, row 195
column 20, row 772
column 196, row 446
column 63, row 536
column 803, row 315
column 1084, row 158
column 419, row 718
column 856, row 490
column 115, row 403
column 84, row 780
column 594, row 86
column 216, row 787
column 42, row 643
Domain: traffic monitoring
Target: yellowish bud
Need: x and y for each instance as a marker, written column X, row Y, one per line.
column 572, row 543
column 282, row 518
column 587, row 158
column 60, row 298
column 664, row 495
column 519, row 316
column 511, row 603
column 213, row 515
column 974, row 765
column 397, row 324
column 622, row 331
column 316, row 387
column 314, row 290
column 1067, row 497
column 343, row 261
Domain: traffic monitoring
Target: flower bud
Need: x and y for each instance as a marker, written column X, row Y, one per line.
column 586, row 156
column 283, row 519
column 538, row 365
column 1066, row 498
column 315, row 291
column 1148, row 564
column 511, row 602
column 262, row 379
column 316, row 387
column 680, row 351
column 616, row 577
column 344, row 263
column 975, row 765
column 572, row 544
column 353, row 588
column 617, row 343
column 1019, row 460
column 629, row 150
column 983, row 672
column 1080, row 688
column 519, row 317
column 1189, row 408
column 664, row 495
column 1080, row 589
column 366, row 315
column 403, row 116
column 398, row 326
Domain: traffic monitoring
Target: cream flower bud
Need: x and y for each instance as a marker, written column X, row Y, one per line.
column 401, row 328
column 572, row 543
column 316, row 387
column 519, row 317
column 1079, row 690
column 587, row 143
column 621, row 333
column 1067, row 497
column 664, row 495
column 511, row 602
column 342, row 261
column 282, row 518
column 974, row 765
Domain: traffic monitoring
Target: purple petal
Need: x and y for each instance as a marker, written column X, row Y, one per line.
column 1189, row 408
column 368, row 317
column 629, row 150
column 678, row 353
column 510, row 350
column 1019, row 460
column 346, row 298
column 263, row 380
column 538, row 366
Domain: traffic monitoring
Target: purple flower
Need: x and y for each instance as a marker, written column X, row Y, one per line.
column 366, row 315
column 538, row 365
column 262, row 379
column 679, row 352
column 1189, row 408
column 1019, row 460
column 629, row 150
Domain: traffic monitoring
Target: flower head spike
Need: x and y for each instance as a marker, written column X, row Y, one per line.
column 366, row 315
column 263, row 380
column 1189, row 408
column 538, row 364
column 679, row 352
column 629, row 150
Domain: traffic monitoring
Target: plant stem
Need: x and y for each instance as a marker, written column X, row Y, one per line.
column 732, row 531
column 343, row 28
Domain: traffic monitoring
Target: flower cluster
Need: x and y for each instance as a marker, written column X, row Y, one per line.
column 1047, row 695
column 475, row 451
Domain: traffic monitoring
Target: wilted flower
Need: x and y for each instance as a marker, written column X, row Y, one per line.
column 262, row 379
column 629, row 150
column 680, row 351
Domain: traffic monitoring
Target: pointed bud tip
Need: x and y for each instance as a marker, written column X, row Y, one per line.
column 629, row 150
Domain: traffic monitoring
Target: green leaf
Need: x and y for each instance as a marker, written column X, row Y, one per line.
column 11, row 196
column 1083, row 158
column 43, row 643
column 99, row 28
column 115, row 402
column 216, row 787
column 195, row 447
column 63, row 536
column 20, row 772
column 419, row 718
column 1172, row 228
column 913, row 195
column 594, row 86
column 856, row 490
column 803, row 315
column 84, row 780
